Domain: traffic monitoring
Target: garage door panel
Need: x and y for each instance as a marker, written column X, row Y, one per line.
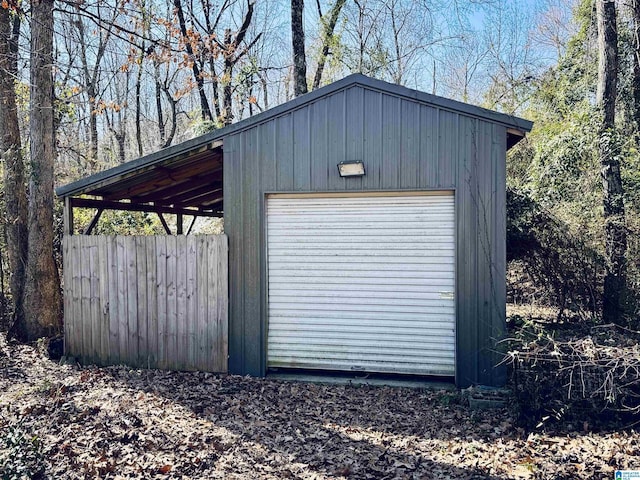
column 362, row 283
column 303, row 310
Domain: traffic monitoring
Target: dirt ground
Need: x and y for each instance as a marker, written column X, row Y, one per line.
column 68, row 422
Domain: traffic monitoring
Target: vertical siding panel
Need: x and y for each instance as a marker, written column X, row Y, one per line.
column 336, row 148
column 449, row 140
column 498, row 242
column 319, row 138
column 285, row 155
column 233, row 221
column 372, row 154
column 301, row 149
column 429, row 135
column 484, row 251
column 268, row 152
column 161, row 279
column 409, row 160
column 251, row 252
column 153, row 326
column 391, row 142
column 466, row 280
column 354, row 98
column 482, row 175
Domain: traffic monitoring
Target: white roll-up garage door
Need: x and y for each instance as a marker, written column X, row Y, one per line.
column 362, row 283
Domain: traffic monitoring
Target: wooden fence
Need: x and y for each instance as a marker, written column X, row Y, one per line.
column 150, row 302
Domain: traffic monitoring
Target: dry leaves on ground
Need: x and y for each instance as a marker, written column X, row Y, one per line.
column 88, row 422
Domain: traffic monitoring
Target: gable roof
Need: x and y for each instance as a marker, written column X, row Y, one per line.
column 162, row 158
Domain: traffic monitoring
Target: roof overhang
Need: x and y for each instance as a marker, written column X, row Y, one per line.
column 182, row 180
column 189, row 175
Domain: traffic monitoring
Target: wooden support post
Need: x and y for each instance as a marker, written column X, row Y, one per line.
column 193, row 222
column 68, row 216
column 164, row 224
column 179, row 224
column 94, row 222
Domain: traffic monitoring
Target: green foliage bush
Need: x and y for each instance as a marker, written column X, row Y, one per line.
column 21, row 454
column 565, row 268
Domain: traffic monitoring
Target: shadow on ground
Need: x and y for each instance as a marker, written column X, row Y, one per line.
column 332, row 430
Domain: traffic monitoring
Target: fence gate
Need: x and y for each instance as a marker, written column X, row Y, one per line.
column 147, row 301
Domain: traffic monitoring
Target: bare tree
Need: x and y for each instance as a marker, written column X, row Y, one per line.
column 328, row 27
column 91, row 67
column 232, row 54
column 42, row 300
column 197, row 73
column 614, row 215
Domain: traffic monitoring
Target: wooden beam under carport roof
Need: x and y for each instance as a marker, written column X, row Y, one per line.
column 189, row 199
column 189, row 185
column 137, row 207
column 167, row 178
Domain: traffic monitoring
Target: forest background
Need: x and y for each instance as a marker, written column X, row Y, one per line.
column 132, row 76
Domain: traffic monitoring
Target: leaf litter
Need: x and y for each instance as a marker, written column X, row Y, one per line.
column 119, row 423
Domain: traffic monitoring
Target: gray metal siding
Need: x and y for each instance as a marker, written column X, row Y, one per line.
column 406, row 145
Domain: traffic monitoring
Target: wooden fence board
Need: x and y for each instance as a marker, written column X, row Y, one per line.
column 112, row 303
column 172, row 318
column 132, row 300
column 181, row 301
column 103, row 275
column 154, row 302
column 192, row 299
column 94, row 299
column 201, row 339
column 141, row 301
column 161, row 279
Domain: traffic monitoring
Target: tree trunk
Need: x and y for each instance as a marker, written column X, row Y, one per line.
column 227, row 91
column 15, row 194
column 138, row 107
column 635, row 11
column 299, row 57
column 42, row 300
column 614, row 216
column 92, row 97
column 327, row 35
column 204, row 103
column 159, row 112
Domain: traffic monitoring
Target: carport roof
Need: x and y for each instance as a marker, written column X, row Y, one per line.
column 168, row 176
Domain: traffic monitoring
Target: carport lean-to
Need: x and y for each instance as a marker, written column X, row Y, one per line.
column 396, row 267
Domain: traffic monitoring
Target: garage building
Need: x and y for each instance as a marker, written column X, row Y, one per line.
column 366, row 228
